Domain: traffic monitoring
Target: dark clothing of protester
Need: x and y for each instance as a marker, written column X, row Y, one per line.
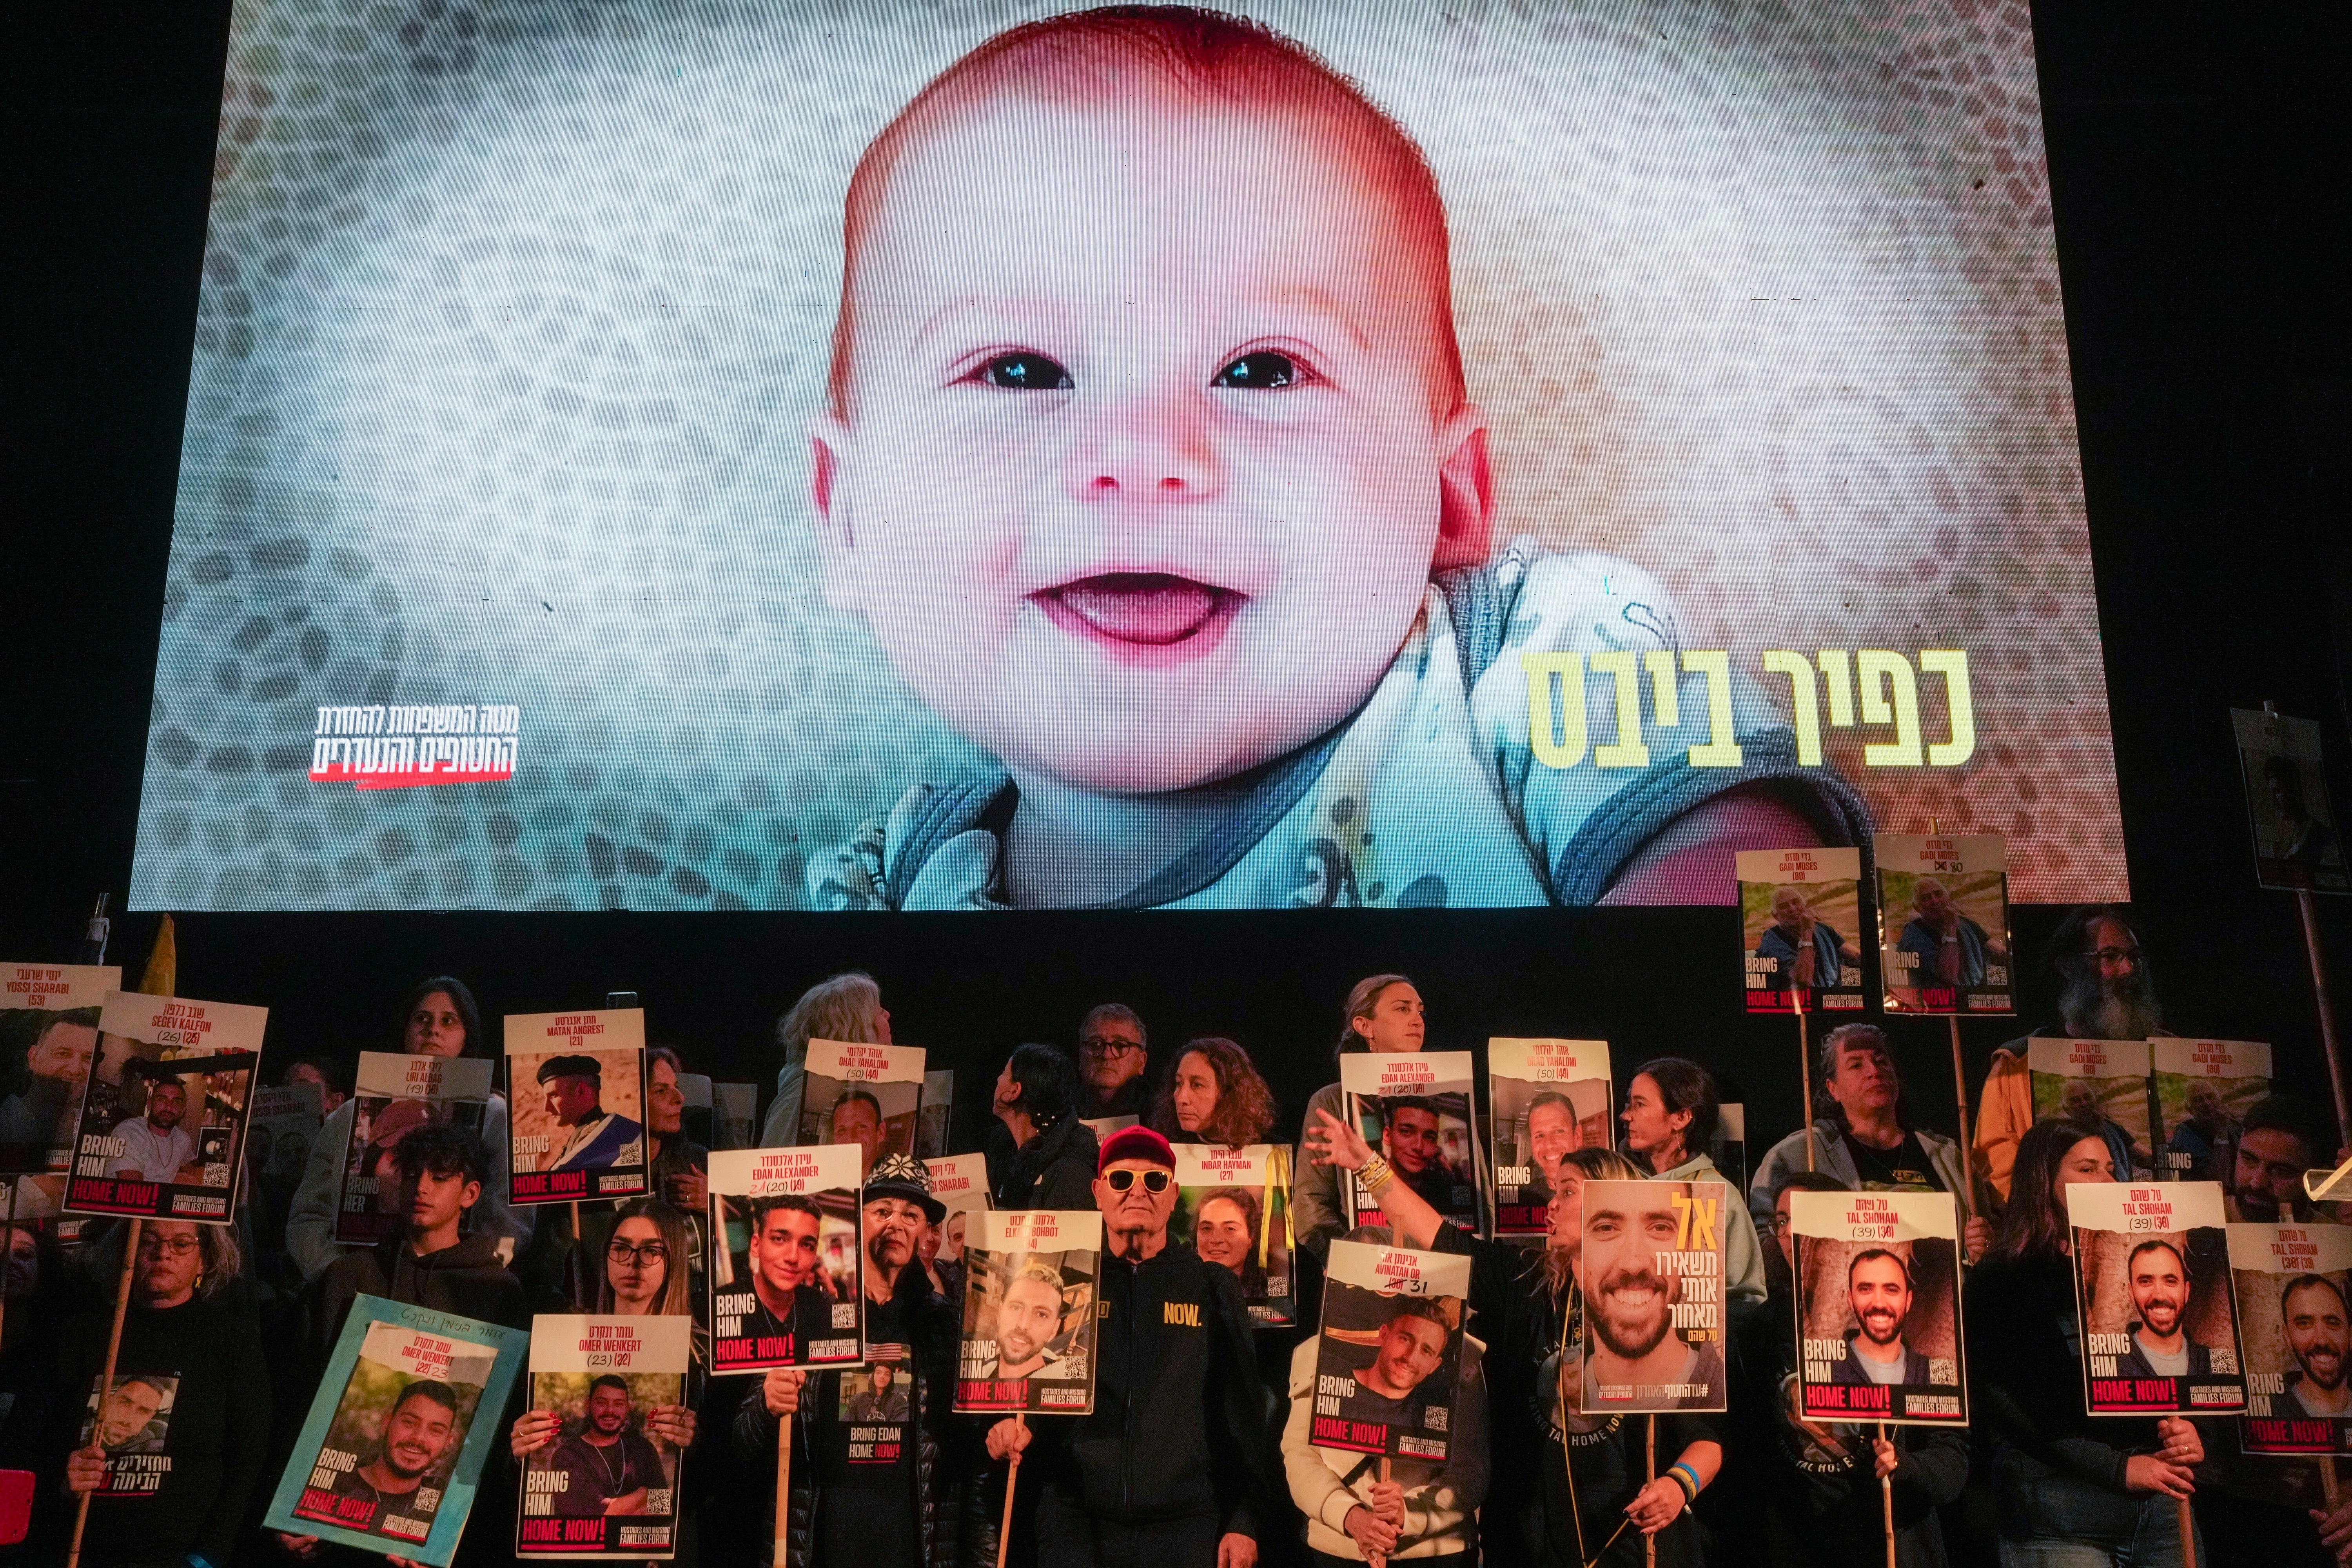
column 466, row 1278
column 1850, row 1370
column 1133, row 1098
column 1904, row 1168
column 214, row 1439
column 1175, row 1456
column 853, row 1503
column 593, row 1475
column 1813, row 1487
column 1055, row 1170
column 2057, row 1472
column 677, row 1155
column 1535, row 1516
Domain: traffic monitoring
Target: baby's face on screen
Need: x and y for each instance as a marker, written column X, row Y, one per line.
column 1150, row 447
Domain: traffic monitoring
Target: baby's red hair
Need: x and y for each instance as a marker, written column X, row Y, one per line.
column 1097, row 55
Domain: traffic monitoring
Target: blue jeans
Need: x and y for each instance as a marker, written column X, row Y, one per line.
column 2049, row 1521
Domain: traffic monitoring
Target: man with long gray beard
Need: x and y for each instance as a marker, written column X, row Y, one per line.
column 2104, row 994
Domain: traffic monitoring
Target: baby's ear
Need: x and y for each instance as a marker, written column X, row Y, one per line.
column 1466, row 491
column 829, row 447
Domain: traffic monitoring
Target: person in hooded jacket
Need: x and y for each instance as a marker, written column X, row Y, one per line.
column 434, row 1263
column 1170, row 1469
column 1041, row 1157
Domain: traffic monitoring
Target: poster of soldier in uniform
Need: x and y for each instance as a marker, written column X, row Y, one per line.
column 576, row 1100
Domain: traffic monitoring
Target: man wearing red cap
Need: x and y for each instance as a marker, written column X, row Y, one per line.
column 1168, row 1471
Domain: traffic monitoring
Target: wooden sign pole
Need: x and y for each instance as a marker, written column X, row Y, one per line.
column 1011, row 1478
column 782, row 1553
column 106, row 1378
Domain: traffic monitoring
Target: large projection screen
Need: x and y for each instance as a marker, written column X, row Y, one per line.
column 499, row 576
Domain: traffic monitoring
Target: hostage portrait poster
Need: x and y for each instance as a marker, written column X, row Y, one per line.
column 1655, row 1327
column 576, row 1099
column 1801, row 930
column 785, row 1263
column 391, row 1454
column 1878, row 1307
column 2159, row 1313
column 1387, row 1360
column 512, row 549
column 162, row 1128
column 2296, row 1332
column 1029, row 1312
column 608, row 1484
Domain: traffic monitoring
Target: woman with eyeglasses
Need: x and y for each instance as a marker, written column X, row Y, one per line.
column 1383, row 1017
column 176, row 1443
column 646, row 1274
column 438, row 1017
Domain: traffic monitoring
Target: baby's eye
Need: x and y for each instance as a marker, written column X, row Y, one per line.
column 1261, row 371
column 1024, row 371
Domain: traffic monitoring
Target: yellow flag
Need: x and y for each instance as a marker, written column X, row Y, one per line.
column 163, row 976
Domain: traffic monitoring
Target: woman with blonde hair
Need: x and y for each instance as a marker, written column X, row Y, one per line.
column 1384, row 1015
column 846, row 1007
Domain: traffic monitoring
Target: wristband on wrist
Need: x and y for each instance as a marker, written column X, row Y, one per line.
column 1376, row 1174
column 1686, row 1478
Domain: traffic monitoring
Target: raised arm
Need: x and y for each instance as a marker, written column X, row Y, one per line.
column 1332, row 1142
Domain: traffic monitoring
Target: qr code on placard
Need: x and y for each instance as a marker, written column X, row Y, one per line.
column 2225, row 1362
column 1943, row 1371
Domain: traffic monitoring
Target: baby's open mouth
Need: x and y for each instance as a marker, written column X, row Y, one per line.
column 1155, row 609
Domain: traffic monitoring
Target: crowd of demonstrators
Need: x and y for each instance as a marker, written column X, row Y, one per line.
column 1198, row 1452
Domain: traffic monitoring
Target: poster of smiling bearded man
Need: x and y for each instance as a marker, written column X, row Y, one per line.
column 1878, row 1314
column 1388, row 1366
column 1029, row 1313
column 2159, row 1318
column 1654, row 1313
column 2292, row 1283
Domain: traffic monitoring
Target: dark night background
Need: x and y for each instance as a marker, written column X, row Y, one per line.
column 2196, row 166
